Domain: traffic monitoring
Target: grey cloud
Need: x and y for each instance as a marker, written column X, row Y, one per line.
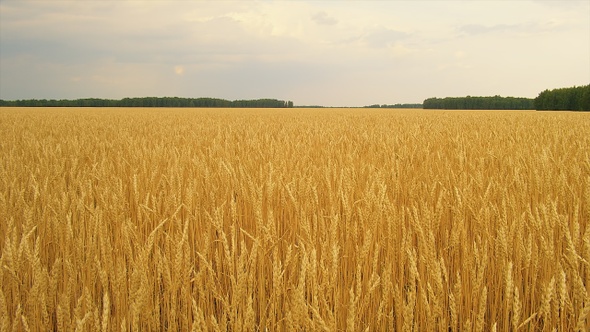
column 376, row 38
column 383, row 37
column 478, row 29
column 521, row 29
column 69, row 43
column 322, row 18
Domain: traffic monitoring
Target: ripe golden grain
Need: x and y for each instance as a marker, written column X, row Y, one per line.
column 281, row 220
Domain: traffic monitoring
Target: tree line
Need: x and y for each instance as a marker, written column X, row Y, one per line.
column 574, row 99
column 480, row 103
column 395, row 106
column 149, row 102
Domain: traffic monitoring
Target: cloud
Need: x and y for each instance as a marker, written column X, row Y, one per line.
column 560, row 4
column 514, row 29
column 383, row 37
column 322, row 18
column 459, row 54
column 522, row 29
column 478, row 29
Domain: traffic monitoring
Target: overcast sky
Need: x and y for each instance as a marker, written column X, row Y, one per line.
column 331, row 53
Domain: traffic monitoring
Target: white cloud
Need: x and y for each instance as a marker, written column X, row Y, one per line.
column 520, row 29
column 322, row 18
column 383, row 37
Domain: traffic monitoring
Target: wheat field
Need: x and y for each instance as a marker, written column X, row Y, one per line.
column 294, row 220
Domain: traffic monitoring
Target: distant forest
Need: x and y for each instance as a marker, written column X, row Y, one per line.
column 395, row 106
column 368, row 106
column 149, row 102
column 572, row 99
column 480, row 103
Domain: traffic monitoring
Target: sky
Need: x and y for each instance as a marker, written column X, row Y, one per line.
column 329, row 53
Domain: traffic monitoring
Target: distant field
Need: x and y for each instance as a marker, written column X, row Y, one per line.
column 294, row 219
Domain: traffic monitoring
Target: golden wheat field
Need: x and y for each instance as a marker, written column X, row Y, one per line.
column 294, row 220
